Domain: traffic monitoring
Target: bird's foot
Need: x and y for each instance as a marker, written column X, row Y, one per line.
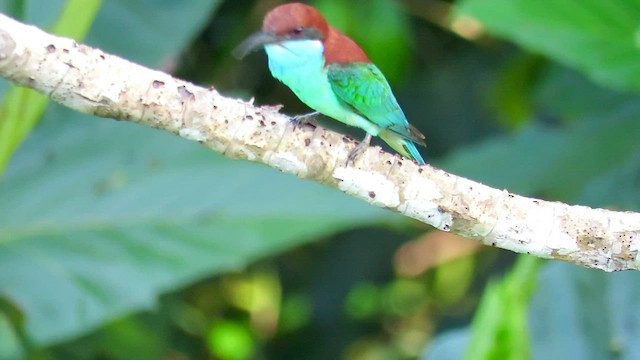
column 359, row 150
column 304, row 119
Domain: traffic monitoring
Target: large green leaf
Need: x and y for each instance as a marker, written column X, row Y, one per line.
column 585, row 314
column 599, row 37
column 553, row 161
column 149, row 32
column 98, row 217
column 619, row 188
column 575, row 313
column 597, row 132
column 500, row 326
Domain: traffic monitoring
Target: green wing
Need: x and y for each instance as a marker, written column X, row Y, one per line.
column 363, row 87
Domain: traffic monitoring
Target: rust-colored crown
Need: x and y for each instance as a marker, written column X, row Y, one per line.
column 285, row 18
column 288, row 18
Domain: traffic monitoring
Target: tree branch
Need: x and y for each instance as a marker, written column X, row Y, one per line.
column 97, row 83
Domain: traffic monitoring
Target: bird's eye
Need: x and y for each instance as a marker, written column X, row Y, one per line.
column 297, row 31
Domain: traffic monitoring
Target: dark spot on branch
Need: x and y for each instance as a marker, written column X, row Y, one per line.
column 51, row 48
column 307, row 142
column 157, row 84
column 372, row 194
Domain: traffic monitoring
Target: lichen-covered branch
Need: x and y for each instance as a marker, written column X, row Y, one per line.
column 94, row 82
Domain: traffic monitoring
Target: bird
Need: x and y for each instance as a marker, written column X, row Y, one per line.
column 332, row 75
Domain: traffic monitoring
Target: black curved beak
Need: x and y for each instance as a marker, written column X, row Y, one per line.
column 253, row 43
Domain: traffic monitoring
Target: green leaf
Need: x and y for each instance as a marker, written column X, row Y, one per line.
column 618, row 189
column 598, row 37
column 585, row 314
column 20, row 111
column 129, row 28
column 569, row 97
column 552, row 161
column 10, row 346
column 76, row 18
column 575, row 313
column 16, row 8
column 98, row 217
column 598, row 133
column 500, row 328
column 93, row 244
column 510, row 95
column 22, row 107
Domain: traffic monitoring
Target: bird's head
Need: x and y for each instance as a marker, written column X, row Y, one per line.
column 288, row 22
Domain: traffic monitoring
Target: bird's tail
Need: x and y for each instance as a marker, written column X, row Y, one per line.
column 402, row 145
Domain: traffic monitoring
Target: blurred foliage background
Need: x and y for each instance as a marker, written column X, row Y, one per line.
column 122, row 242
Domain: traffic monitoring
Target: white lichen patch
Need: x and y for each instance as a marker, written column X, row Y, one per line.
column 561, row 242
column 616, row 248
column 428, row 213
column 369, row 185
column 286, row 162
column 478, row 231
column 423, row 189
column 192, row 134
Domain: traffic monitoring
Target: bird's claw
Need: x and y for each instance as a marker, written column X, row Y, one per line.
column 358, row 150
column 300, row 120
column 355, row 154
